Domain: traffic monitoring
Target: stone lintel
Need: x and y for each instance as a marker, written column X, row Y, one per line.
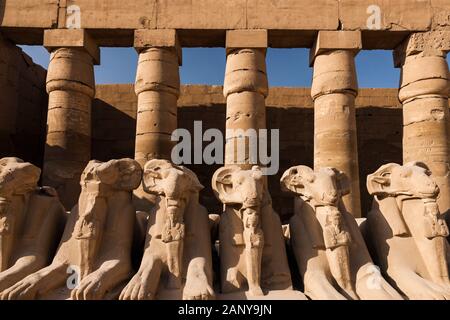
column 434, row 42
column 243, row 39
column 335, row 40
column 72, row 38
column 162, row 38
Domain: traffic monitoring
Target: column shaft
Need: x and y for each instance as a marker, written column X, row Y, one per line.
column 158, row 88
column 245, row 89
column 334, row 90
column 71, row 88
column 424, row 94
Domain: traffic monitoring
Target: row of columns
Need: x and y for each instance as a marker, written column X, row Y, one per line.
column 423, row 91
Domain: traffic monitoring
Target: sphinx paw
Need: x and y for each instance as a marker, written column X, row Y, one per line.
column 372, row 286
column 90, row 288
column 427, row 290
column 256, row 291
column 319, row 287
column 27, row 289
column 198, row 288
column 232, row 277
column 137, row 288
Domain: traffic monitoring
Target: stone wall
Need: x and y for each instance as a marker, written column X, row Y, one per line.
column 23, row 104
column 379, row 122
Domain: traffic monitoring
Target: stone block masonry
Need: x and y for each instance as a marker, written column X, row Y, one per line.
column 290, row 23
column 23, row 104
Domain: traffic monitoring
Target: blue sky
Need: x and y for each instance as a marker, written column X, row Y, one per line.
column 286, row 67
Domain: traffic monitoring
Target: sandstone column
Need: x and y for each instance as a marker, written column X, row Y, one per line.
column 245, row 89
column 158, row 88
column 424, row 92
column 334, row 90
column 71, row 88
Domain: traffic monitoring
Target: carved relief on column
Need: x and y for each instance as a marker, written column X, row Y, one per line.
column 71, row 88
column 424, row 92
column 334, row 90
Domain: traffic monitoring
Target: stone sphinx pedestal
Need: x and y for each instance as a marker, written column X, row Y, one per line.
column 240, row 295
column 63, row 293
column 268, row 295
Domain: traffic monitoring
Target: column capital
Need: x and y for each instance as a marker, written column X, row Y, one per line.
column 246, row 39
column 335, row 40
column 72, row 38
column 161, row 38
column 435, row 43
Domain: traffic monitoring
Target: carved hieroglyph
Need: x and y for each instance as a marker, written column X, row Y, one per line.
column 177, row 256
column 31, row 221
column 408, row 231
column 252, row 249
column 96, row 243
column 330, row 251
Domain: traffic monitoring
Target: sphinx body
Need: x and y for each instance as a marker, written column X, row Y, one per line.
column 31, row 221
column 177, row 259
column 252, row 248
column 96, row 243
column 331, row 254
column 408, row 232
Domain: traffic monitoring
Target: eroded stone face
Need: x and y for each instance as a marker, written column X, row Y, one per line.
column 326, row 187
column 17, row 177
column 412, row 180
column 242, row 187
column 406, row 218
